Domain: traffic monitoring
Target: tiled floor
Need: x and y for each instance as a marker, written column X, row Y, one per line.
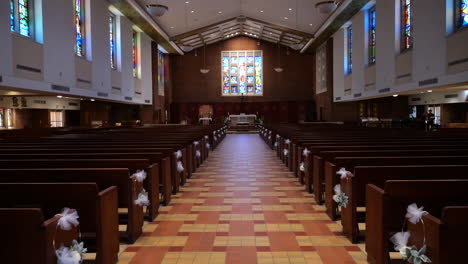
column 241, row 207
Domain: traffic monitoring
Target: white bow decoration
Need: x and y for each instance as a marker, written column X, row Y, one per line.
column 178, row 154
column 276, row 144
column 206, row 137
column 305, row 152
column 344, row 173
column 142, row 199
column 278, row 136
column 71, row 255
column 414, row 214
column 269, row 137
column 140, row 175
column 68, row 219
column 196, row 143
column 207, row 145
column 400, row 242
column 302, row 166
column 287, row 141
column 180, row 167
column 286, row 152
column 215, row 138
column 197, row 153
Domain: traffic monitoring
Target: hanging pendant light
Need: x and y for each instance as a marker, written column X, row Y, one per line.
column 300, row 45
column 185, row 48
column 278, row 69
column 157, row 9
column 326, row 7
column 204, row 70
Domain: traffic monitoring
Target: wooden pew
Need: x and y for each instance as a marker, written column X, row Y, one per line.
column 127, row 186
column 354, row 187
column 28, row 237
column 97, row 210
column 446, row 234
column 386, row 208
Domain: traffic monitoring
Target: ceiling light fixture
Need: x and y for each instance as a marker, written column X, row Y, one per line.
column 299, row 45
column 290, row 9
column 204, row 70
column 286, row 18
column 429, row 91
column 278, row 69
column 59, row 96
column 185, row 48
column 157, row 9
column 326, row 7
column 395, row 95
column 261, row 11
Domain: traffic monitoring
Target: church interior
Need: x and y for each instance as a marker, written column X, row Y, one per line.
column 243, row 131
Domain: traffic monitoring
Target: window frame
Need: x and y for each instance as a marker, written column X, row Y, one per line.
column 349, row 49
column 113, row 48
column 372, row 42
column 457, row 16
column 403, row 35
column 16, row 20
column 82, row 27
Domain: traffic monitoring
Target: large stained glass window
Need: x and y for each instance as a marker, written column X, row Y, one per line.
column 372, row 35
column 349, row 36
column 406, row 24
column 113, row 60
column 242, row 72
column 9, row 118
column 20, row 17
column 461, row 13
column 160, row 73
column 79, row 27
column 2, row 124
column 135, row 53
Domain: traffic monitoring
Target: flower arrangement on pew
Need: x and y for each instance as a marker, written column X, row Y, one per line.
column 140, row 175
column 180, row 167
column 340, row 197
column 302, row 167
column 76, row 252
column 305, row 152
column 400, row 240
column 197, row 153
column 286, row 152
column 142, row 199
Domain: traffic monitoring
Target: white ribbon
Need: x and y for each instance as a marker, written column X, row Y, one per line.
column 344, row 173
column 287, row 141
column 305, row 152
column 68, row 218
column 180, row 167
column 197, row 153
column 414, row 214
column 400, row 240
column 207, row 145
column 302, row 166
column 196, row 143
column 142, row 199
column 140, row 175
column 286, row 152
column 178, row 154
column 206, row 137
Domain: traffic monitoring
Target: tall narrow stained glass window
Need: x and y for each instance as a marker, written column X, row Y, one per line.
column 79, row 27
column 349, row 37
column 160, row 73
column 461, row 13
column 135, row 53
column 406, row 24
column 242, row 72
column 113, row 60
column 12, row 15
column 372, row 42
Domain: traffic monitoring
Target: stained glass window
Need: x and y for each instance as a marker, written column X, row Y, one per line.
column 24, row 18
column 407, row 24
column 134, row 53
column 9, row 117
column 349, row 64
column 1, row 118
column 160, row 73
column 79, row 27
column 372, row 35
column 461, row 13
column 321, row 69
column 112, row 43
column 241, row 72
column 12, row 16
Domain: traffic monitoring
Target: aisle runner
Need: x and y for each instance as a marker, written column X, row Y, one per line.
column 243, row 206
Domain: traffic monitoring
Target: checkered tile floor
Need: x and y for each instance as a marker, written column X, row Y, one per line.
column 241, row 207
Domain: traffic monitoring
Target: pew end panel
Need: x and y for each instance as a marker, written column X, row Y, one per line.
column 108, row 227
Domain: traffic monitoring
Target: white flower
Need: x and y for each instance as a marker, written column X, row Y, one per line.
column 340, row 197
column 305, row 152
column 197, row 153
column 403, row 251
column 286, row 152
column 68, row 219
column 140, row 175
column 180, row 167
column 142, row 199
column 302, row 166
column 71, row 255
column 344, row 173
column 414, row 214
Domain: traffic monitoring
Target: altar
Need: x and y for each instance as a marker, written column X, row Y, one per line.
column 242, row 119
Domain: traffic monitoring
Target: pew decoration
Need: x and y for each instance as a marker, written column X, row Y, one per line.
column 206, row 137
column 207, row 145
column 196, row 143
column 302, row 167
column 180, row 167
column 305, row 152
column 276, row 144
column 287, row 141
column 269, row 137
column 400, row 240
column 197, row 153
column 140, row 175
column 178, row 154
column 344, row 173
column 142, row 199
column 71, row 255
column 340, row 197
column 286, row 152
column 68, row 219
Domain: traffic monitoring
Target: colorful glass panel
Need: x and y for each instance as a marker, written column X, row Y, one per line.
column 161, row 73
column 23, row 14
column 250, row 60
column 78, row 28
column 463, row 13
column 242, row 74
column 12, row 16
column 226, row 75
column 10, row 118
column 1, row 118
column 134, row 53
column 250, row 69
column 112, row 41
column 258, row 75
column 372, row 43
column 407, row 27
column 350, row 49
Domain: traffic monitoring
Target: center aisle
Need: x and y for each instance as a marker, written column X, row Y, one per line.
column 243, row 206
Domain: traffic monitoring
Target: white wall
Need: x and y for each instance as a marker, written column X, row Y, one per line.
column 55, row 56
column 434, row 46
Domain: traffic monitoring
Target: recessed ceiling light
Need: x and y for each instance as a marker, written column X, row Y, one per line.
column 290, row 9
column 220, row 12
column 285, row 17
column 310, row 24
column 395, row 95
column 187, row 2
column 261, row 11
column 192, row 11
column 59, row 96
column 429, row 91
column 92, row 100
column 172, row 27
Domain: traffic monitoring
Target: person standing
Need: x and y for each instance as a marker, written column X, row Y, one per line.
column 430, row 118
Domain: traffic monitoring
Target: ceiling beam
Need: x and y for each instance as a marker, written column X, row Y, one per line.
column 200, row 30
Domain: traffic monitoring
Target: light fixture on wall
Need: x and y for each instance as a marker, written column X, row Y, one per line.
column 204, row 70
column 157, row 9
column 278, row 69
column 326, row 7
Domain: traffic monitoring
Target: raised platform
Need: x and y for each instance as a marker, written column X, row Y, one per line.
column 242, row 129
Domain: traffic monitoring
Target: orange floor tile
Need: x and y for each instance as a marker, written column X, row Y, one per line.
column 242, row 206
